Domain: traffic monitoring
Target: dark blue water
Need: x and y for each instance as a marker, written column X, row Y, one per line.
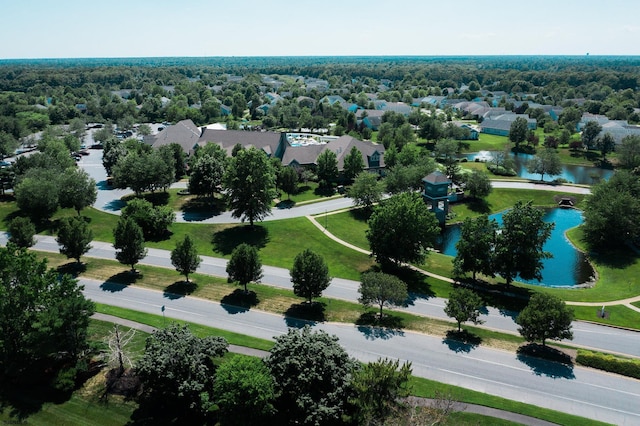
column 568, row 266
column 571, row 173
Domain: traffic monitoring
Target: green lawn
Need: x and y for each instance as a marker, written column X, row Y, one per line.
column 488, row 143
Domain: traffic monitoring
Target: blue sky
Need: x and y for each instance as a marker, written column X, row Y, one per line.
column 130, row 28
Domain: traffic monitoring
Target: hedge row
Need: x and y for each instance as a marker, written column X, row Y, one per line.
column 624, row 366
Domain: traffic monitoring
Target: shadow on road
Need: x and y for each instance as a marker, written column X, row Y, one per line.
column 374, row 327
column 546, row 361
column 179, row 289
column 112, row 287
column 312, row 312
column 461, row 341
column 238, row 301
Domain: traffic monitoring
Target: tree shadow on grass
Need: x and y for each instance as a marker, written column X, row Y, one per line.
column 616, row 259
column 238, row 301
column 179, row 289
column 361, row 215
column 478, row 205
column 201, row 208
column 374, row 327
column 546, row 361
column 157, row 198
column 461, row 341
column 72, row 268
column 226, row 240
column 313, row 313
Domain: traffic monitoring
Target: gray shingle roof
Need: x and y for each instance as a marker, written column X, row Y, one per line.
column 185, row 133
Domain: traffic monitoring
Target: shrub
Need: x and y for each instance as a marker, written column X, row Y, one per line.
column 606, row 362
column 500, row 170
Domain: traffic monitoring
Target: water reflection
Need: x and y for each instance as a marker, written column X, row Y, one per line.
column 567, row 267
column 586, row 175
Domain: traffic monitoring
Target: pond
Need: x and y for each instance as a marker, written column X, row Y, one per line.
column 586, row 175
column 568, row 266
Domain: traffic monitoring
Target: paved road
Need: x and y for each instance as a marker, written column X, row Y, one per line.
column 574, row 390
column 585, row 334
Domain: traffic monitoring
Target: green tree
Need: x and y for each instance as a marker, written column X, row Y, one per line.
column 327, row 166
column 244, row 391
column 244, row 266
column 185, row 257
column 250, row 182
column 590, row 134
column 545, row 317
column 309, row 275
column 606, row 144
column 611, row 211
column 474, row 250
column 518, row 131
column 478, row 184
column 464, row 305
column 113, row 151
column 177, row 371
column 22, row 232
column 143, row 172
column 129, row 242
column 628, row 152
column 207, row 174
column 74, row 237
column 546, row 162
column 353, row 164
column 366, row 190
column 77, row 190
column 402, row 229
column 37, row 193
column 288, row 181
column 379, row 390
column 154, row 220
column 446, row 151
column 312, row 373
column 43, row 315
column 380, row 289
column 519, row 244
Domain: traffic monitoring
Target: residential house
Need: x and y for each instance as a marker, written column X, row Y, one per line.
column 371, row 118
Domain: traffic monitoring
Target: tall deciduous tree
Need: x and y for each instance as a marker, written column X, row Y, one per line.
column 37, row 193
column 154, row 220
column 474, row 250
column 43, row 315
column 327, row 166
column 309, row 275
column 518, row 131
column 402, row 229
column 77, row 190
column 545, row 317
column 366, row 190
column 74, row 237
column 244, row 266
column 250, row 182
column 244, row 391
column 379, row 389
column 478, row 184
column 129, row 242
column 612, row 210
column 546, row 162
column 177, row 371
column 206, row 177
column 22, row 231
column 519, row 246
column 353, row 164
column 380, row 289
column 185, row 257
column 312, row 373
column 446, row 151
column 590, row 134
column 606, row 144
column 629, row 152
column 288, row 180
column 463, row 305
